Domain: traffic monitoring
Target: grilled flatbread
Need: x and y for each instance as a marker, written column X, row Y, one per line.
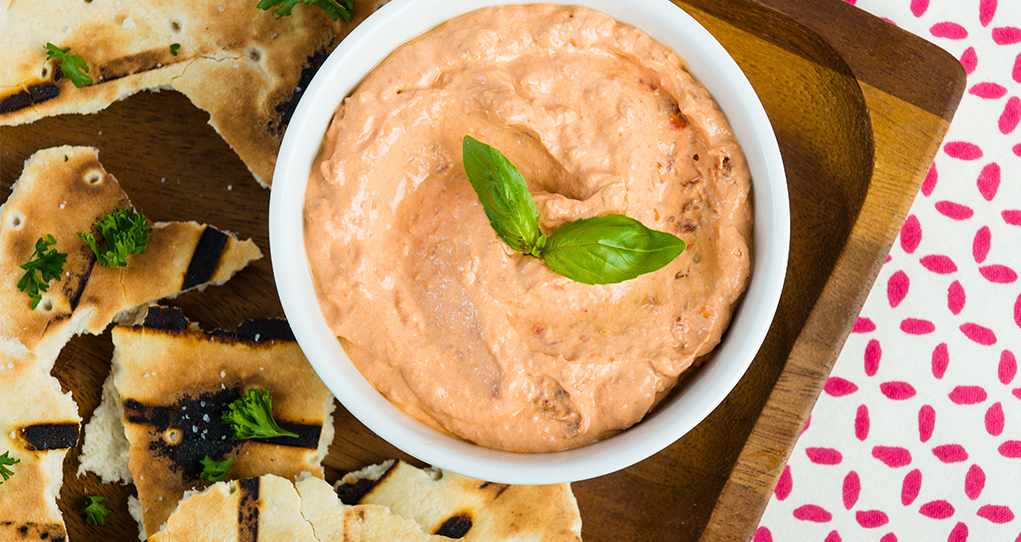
column 333, row 520
column 448, row 504
column 169, row 385
column 242, row 65
column 271, row 508
column 62, row 191
column 38, row 424
column 248, row 510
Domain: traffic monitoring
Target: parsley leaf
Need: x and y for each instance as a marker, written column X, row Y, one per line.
column 95, row 511
column 49, row 264
column 251, row 416
column 333, row 8
column 597, row 250
column 6, row 460
column 215, row 471
column 174, row 47
column 124, row 231
column 70, row 65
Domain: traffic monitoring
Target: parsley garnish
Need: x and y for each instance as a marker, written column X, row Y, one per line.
column 70, row 65
column 174, row 47
column 6, row 460
column 124, row 231
column 95, row 511
column 49, row 264
column 215, row 471
column 251, row 416
column 332, row 7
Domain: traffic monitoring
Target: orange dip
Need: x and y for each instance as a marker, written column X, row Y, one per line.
column 448, row 322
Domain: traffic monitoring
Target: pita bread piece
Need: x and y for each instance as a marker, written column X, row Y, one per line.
column 248, row 510
column 456, row 506
column 241, row 64
column 64, row 190
column 38, row 424
column 334, row 520
column 174, row 381
column 271, row 508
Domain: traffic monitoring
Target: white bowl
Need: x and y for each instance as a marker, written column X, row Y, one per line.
column 393, row 25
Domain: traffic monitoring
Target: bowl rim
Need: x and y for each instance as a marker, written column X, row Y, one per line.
column 368, row 44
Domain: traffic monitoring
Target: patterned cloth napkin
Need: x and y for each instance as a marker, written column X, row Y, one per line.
column 917, row 435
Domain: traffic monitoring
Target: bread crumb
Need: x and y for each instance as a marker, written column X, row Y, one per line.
column 128, row 23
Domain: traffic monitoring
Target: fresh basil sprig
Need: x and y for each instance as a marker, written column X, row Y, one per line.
column 597, row 250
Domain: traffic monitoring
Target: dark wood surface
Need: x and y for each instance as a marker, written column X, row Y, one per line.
column 859, row 108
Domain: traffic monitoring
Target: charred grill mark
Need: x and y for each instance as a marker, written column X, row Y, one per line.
column 50, row 436
column 198, row 430
column 166, row 319
column 133, row 65
column 260, row 329
column 206, row 259
column 75, row 296
column 455, row 526
column 248, row 510
column 352, row 494
column 15, row 102
column 286, row 109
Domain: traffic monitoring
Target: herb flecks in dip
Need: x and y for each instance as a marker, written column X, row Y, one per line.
column 453, row 326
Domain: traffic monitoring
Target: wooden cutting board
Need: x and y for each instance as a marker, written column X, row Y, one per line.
column 859, row 108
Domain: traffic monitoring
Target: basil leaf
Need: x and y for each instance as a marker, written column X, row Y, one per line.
column 504, row 196
column 609, row 249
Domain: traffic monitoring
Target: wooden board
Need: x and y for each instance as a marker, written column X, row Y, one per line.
column 859, row 108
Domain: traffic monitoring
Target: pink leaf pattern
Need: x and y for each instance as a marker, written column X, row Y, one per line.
column 784, row 484
column 988, row 91
column 926, row 422
column 839, row 387
column 824, row 456
column 1010, row 117
column 967, row 395
column 999, row 274
column 1006, row 35
column 969, row 60
column 939, row 264
column 950, row 453
column 956, row 297
column 980, row 245
column 892, row 456
column 861, row 423
column 989, row 181
column 995, row 419
column 940, row 360
column 959, row 534
column 851, row 490
column 927, row 382
column 986, row 11
column 873, row 354
column 811, row 512
column 1007, row 367
column 897, row 288
column 910, row 488
column 955, row 211
column 974, row 482
column 979, row 334
column 949, row 30
column 937, row 509
column 871, row 519
column 962, row 150
column 898, row 391
column 996, row 514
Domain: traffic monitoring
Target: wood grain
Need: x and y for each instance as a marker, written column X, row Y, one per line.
column 857, row 132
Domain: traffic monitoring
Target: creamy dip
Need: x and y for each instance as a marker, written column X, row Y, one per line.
column 449, row 323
